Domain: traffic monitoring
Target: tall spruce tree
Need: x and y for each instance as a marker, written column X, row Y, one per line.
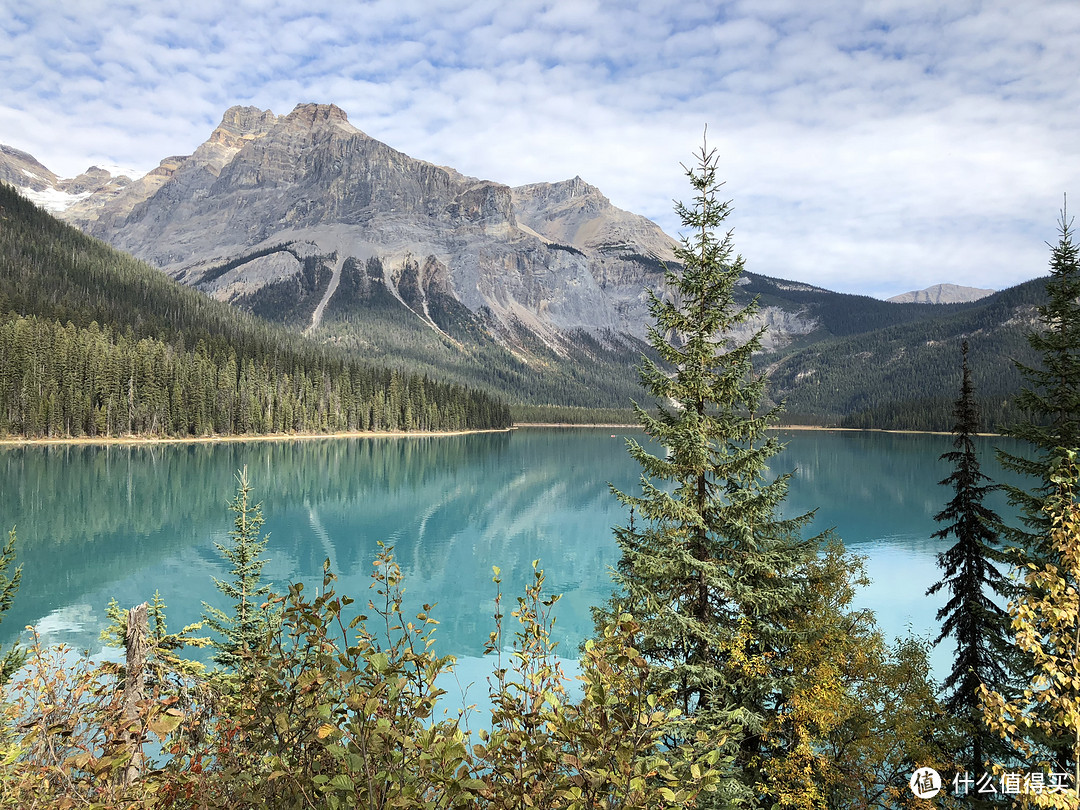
column 1051, row 395
column 972, row 618
column 1051, row 399
column 712, row 572
column 247, row 625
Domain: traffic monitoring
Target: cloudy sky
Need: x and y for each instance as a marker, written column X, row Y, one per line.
column 871, row 147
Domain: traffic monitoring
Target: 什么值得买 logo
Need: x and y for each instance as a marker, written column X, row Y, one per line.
column 925, row 783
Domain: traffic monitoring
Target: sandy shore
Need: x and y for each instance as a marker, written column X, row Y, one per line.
column 266, row 437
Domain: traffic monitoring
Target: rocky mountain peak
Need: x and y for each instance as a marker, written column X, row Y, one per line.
column 569, row 193
column 575, row 187
column 23, row 170
column 942, row 294
column 573, row 212
column 241, row 124
column 94, row 179
column 235, row 216
column 312, row 115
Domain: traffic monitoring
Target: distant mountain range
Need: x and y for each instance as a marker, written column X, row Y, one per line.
column 536, row 292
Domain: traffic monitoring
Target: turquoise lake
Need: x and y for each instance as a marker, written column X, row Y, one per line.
column 97, row 522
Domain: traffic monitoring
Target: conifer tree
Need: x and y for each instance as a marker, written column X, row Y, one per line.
column 971, row 617
column 1051, row 396
column 713, row 574
column 247, row 625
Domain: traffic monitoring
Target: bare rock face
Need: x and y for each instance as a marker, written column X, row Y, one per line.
column 271, row 203
column 575, row 213
column 239, row 127
column 254, row 275
column 551, row 258
column 22, row 170
column 92, row 180
column 112, row 203
column 942, row 294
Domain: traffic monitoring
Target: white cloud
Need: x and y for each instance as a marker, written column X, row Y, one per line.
column 876, row 146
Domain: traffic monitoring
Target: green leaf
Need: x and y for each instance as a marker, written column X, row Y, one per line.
column 342, row 782
column 380, row 662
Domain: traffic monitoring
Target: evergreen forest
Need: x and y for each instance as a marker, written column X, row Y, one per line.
column 95, row 343
column 865, row 364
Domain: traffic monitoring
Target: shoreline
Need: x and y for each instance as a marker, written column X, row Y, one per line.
column 241, row 437
column 572, row 425
column 387, row 434
column 773, row 427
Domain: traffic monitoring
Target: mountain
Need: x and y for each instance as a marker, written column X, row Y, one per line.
column 309, row 185
column 306, row 220
column 941, row 294
column 535, row 292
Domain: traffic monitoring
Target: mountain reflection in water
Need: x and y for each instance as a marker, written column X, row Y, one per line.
column 122, row 521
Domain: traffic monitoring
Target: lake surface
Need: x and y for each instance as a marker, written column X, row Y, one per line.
column 121, row 521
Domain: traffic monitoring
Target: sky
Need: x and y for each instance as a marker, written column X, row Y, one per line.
column 867, row 147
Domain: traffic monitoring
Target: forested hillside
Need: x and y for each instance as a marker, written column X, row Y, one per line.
column 904, row 374
column 837, row 359
column 95, row 343
column 535, row 294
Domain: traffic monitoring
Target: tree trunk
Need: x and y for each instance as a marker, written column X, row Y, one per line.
column 136, row 645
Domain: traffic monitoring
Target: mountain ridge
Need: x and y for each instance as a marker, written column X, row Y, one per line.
column 538, row 291
column 311, row 177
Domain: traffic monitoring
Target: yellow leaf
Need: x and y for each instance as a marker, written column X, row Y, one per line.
column 165, row 724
